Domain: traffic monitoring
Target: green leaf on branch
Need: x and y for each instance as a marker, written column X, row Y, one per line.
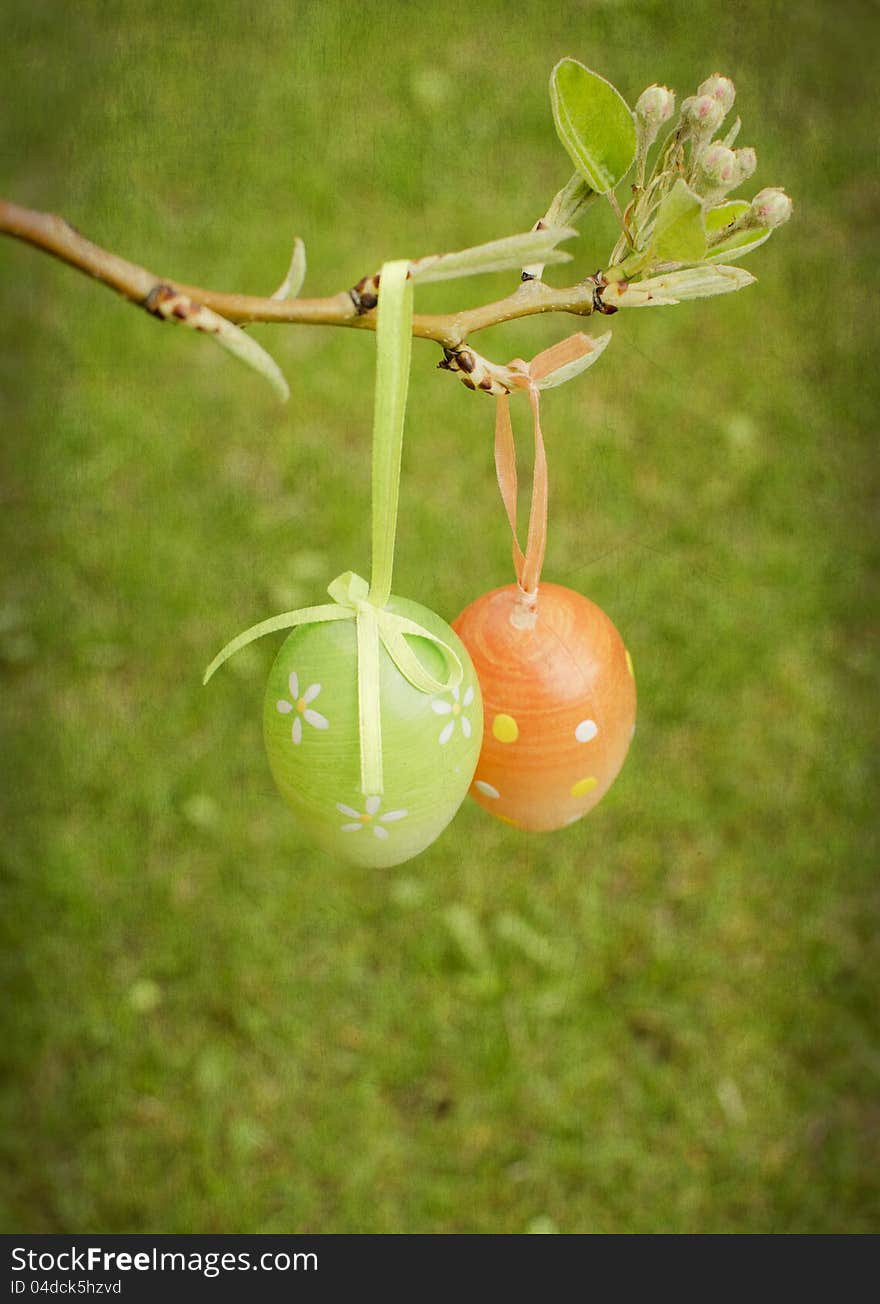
column 595, row 124
column 172, row 305
column 296, row 273
column 740, row 242
column 497, row 256
column 248, row 351
column 679, row 232
column 743, row 242
column 718, row 218
column 732, row 134
column 570, row 202
column 567, row 207
column 676, row 287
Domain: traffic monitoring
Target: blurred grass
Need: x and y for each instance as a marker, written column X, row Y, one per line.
column 663, row 1019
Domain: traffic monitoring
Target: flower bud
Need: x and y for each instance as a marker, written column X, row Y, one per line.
column 703, row 114
column 746, row 162
column 717, row 170
column 655, row 106
column 770, row 207
column 721, row 89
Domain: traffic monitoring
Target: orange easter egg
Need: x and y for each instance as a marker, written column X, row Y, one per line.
column 559, row 704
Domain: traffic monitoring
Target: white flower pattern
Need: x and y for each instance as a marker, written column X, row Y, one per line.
column 454, row 709
column 365, row 818
column 300, row 707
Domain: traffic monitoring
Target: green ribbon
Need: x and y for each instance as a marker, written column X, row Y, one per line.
column 352, row 597
column 393, row 349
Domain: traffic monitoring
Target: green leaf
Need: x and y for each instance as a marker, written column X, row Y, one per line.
column 296, row 273
column 676, row 287
column 595, row 124
column 732, row 134
column 718, row 218
column 567, row 207
column 741, row 242
column 570, row 202
column 246, row 349
column 497, row 256
column 679, row 231
column 173, row 305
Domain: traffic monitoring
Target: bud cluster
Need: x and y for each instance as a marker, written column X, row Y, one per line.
column 698, row 152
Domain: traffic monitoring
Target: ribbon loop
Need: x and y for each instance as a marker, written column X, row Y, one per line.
column 527, row 565
column 392, row 631
column 348, row 590
column 287, row 620
column 552, row 367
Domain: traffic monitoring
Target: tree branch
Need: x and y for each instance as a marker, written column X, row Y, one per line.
column 169, row 299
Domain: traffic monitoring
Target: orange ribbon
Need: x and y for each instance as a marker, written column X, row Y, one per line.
column 528, row 565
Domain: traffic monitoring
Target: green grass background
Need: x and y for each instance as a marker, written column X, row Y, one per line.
column 662, row 1019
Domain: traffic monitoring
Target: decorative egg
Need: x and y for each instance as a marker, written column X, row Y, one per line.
column 430, row 742
column 559, row 703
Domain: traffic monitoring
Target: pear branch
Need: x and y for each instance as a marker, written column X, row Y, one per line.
column 173, row 300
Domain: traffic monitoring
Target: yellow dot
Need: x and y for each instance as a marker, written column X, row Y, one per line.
column 629, row 663
column 456, row 709
column 583, row 786
column 365, row 818
column 505, row 728
column 301, row 706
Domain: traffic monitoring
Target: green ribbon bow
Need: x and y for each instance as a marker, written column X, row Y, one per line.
column 375, row 625
column 352, row 597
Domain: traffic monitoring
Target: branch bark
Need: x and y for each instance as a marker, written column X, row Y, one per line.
column 146, row 290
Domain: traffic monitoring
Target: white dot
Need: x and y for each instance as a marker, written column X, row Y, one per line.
column 586, row 730
column 487, row 790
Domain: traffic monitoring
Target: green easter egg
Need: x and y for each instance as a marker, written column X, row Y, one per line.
column 430, row 743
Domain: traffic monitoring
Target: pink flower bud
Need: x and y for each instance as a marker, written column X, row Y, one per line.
column 655, row 106
column 717, row 170
column 702, row 113
column 771, row 207
column 721, row 89
column 746, row 162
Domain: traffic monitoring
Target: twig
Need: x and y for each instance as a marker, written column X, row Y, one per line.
column 145, row 289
